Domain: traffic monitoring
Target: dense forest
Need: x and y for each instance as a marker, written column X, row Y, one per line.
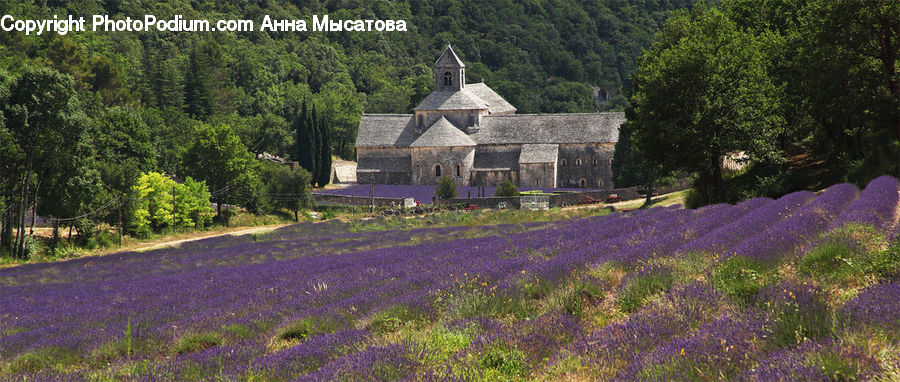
column 804, row 91
column 86, row 115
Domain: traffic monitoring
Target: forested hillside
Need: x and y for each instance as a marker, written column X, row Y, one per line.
column 543, row 56
column 86, row 114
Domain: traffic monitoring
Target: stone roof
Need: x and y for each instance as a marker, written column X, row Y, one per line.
column 549, row 128
column 496, row 104
column 452, row 100
column 369, row 163
column 442, row 133
column 539, row 153
column 449, row 59
column 398, row 130
column 495, row 160
column 386, row 130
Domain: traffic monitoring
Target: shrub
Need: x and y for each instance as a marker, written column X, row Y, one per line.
column 642, row 285
column 446, row 188
column 507, row 188
column 853, row 252
column 739, row 278
column 503, row 363
column 196, row 342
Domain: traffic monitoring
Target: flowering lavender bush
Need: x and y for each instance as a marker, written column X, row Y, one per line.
column 625, row 296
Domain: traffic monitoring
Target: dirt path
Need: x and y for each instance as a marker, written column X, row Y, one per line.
column 141, row 247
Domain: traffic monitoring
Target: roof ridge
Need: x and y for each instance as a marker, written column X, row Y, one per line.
column 555, row 114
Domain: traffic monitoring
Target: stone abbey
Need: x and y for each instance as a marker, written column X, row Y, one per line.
column 471, row 134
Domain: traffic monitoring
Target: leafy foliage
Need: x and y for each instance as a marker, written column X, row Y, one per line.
column 446, row 188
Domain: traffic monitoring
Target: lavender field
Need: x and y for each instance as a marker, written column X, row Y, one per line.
column 805, row 287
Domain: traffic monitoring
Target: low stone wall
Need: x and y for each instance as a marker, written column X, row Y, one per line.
column 556, row 200
column 490, row 202
column 356, row 200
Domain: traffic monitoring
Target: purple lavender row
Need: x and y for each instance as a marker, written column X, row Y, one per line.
column 876, row 205
column 783, row 238
column 724, row 237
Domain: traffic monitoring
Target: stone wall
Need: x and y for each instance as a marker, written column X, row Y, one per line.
column 356, row 200
column 491, row 202
column 426, row 159
column 537, row 175
column 590, row 163
column 493, row 177
column 382, row 177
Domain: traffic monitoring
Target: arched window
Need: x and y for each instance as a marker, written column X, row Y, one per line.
column 458, row 169
column 562, row 163
column 595, row 161
column 577, row 161
column 418, row 171
column 448, row 79
column 582, row 182
column 600, row 183
column 610, row 161
column 437, row 170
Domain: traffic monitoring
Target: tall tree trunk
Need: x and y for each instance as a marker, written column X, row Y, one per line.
column 718, row 182
column 34, row 208
column 55, row 234
column 23, row 206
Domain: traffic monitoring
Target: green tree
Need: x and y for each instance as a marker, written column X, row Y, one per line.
column 304, row 141
column 446, row 188
column 44, row 120
column 287, row 187
column 324, row 153
column 701, row 92
column 161, row 203
column 849, row 51
column 218, row 157
column 507, row 188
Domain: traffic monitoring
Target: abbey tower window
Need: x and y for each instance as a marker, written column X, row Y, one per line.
column 448, row 79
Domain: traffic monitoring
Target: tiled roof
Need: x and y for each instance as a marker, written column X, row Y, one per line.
column 549, row 128
column 496, row 104
column 449, row 59
column 386, row 130
column 452, row 100
column 398, row 130
column 539, row 153
column 442, row 133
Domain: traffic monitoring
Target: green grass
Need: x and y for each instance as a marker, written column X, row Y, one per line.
column 740, row 278
column 851, row 254
column 638, row 290
column 195, row 342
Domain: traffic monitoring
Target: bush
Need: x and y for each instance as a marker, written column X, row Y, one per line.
column 446, row 188
column 158, row 196
column 739, row 277
column 507, row 189
column 196, row 342
column 643, row 285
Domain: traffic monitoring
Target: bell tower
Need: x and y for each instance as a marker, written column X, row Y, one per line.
column 449, row 72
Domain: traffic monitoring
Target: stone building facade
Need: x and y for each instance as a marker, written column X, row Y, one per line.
column 471, row 134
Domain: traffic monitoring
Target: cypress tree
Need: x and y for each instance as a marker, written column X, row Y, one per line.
column 313, row 122
column 324, row 153
column 304, row 142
